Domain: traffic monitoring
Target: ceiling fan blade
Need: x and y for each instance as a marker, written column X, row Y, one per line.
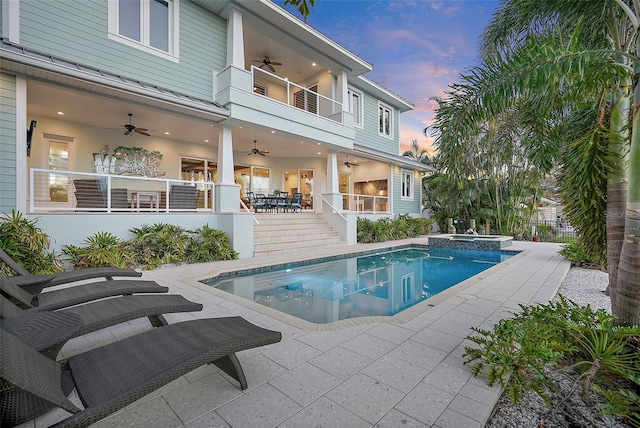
column 142, row 129
column 143, row 133
column 276, row 63
column 273, row 70
column 261, row 154
column 127, row 132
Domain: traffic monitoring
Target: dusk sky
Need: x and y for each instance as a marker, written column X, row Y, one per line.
column 417, row 47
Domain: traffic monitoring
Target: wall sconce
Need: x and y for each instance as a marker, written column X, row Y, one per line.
column 32, row 125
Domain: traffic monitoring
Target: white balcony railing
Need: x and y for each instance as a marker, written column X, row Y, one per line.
column 365, row 203
column 274, row 87
column 73, row 191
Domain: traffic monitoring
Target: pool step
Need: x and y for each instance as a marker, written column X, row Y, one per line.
column 283, row 233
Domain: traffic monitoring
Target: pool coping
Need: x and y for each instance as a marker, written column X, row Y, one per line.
column 399, row 318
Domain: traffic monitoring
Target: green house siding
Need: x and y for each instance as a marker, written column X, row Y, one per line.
column 368, row 135
column 77, row 30
column 401, row 206
column 7, row 142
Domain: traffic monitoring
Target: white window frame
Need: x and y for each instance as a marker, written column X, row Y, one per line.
column 358, row 120
column 407, row 288
column 381, row 109
column 406, row 185
column 144, row 45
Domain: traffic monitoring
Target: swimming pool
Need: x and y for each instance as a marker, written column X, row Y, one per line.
column 380, row 284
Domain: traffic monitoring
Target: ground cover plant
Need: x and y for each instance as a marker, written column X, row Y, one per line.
column 543, row 346
column 387, row 229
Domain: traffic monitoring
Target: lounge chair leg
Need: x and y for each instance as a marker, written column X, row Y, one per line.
column 231, row 366
column 157, row 320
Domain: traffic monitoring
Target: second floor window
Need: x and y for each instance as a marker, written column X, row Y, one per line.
column 355, row 106
column 150, row 25
column 385, row 118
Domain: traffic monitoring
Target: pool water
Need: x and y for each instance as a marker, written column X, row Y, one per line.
column 371, row 285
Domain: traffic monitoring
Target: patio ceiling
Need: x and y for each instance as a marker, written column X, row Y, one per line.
column 46, row 100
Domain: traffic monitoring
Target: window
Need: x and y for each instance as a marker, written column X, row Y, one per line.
column 385, row 118
column 355, row 106
column 149, row 25
column 407, row 288
column 406, row 180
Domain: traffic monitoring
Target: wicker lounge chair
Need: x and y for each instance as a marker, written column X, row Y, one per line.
column 35, row 283
column 35, row 328
column 112, row 376
column 52, row 300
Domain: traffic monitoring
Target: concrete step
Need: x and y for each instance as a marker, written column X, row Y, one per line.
column 281, row 233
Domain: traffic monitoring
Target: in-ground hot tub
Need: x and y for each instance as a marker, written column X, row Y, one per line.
column 471, row 242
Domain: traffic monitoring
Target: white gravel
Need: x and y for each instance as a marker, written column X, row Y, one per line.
column 584, row 287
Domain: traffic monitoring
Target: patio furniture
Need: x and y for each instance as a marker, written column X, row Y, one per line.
column 92, row 193
column 32, row 329
column 52, row 300
column 261, row 202
column 296, row 202
column 282, row 202
column 183, row 197
column 35, row 283
column 110, row 377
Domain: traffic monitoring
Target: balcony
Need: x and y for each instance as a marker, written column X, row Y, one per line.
column 276, row 88
column 80, row 192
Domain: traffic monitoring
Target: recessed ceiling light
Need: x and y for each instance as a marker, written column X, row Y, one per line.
column 319, row 144
column 166, row 132
column 319, row 153
column 313, row 64
column 61, row 113
column 273, row 132
column 301, row 142
column 206, row 141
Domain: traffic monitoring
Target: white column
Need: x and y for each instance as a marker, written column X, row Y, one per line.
column 11, row 20
column 227, row 193
column 22, row 170
column 343, row 95
column 235, row 40
column 332, row 172
column 225, row 156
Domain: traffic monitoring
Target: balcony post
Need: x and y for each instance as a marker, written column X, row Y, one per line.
column 235, row 40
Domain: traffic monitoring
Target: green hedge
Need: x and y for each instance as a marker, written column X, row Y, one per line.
column 387, row 229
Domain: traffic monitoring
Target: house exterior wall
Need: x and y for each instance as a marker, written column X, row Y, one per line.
column 368, row 135
column 8, row 171
column 400, row 205
column 55, row 27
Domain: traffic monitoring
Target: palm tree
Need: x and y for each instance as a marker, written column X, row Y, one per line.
column 416, row 153
column 534, row 51
column 302, row 6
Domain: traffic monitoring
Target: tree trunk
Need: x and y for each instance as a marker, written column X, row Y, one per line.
column 617, row 182
column 626, row 304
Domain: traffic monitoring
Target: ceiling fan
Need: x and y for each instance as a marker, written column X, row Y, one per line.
column 255, row 150
column 131, row 128
column 268, row 63
column 350, row 164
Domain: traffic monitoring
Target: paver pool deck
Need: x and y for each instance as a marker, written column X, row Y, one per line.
column 402, row 371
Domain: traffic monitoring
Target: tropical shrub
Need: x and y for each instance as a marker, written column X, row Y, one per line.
column 576, row 253
column 386, row 229
column 208, row 244
column 103, row 249
column 158, row 244
column 27, row 244
column 523, row 353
